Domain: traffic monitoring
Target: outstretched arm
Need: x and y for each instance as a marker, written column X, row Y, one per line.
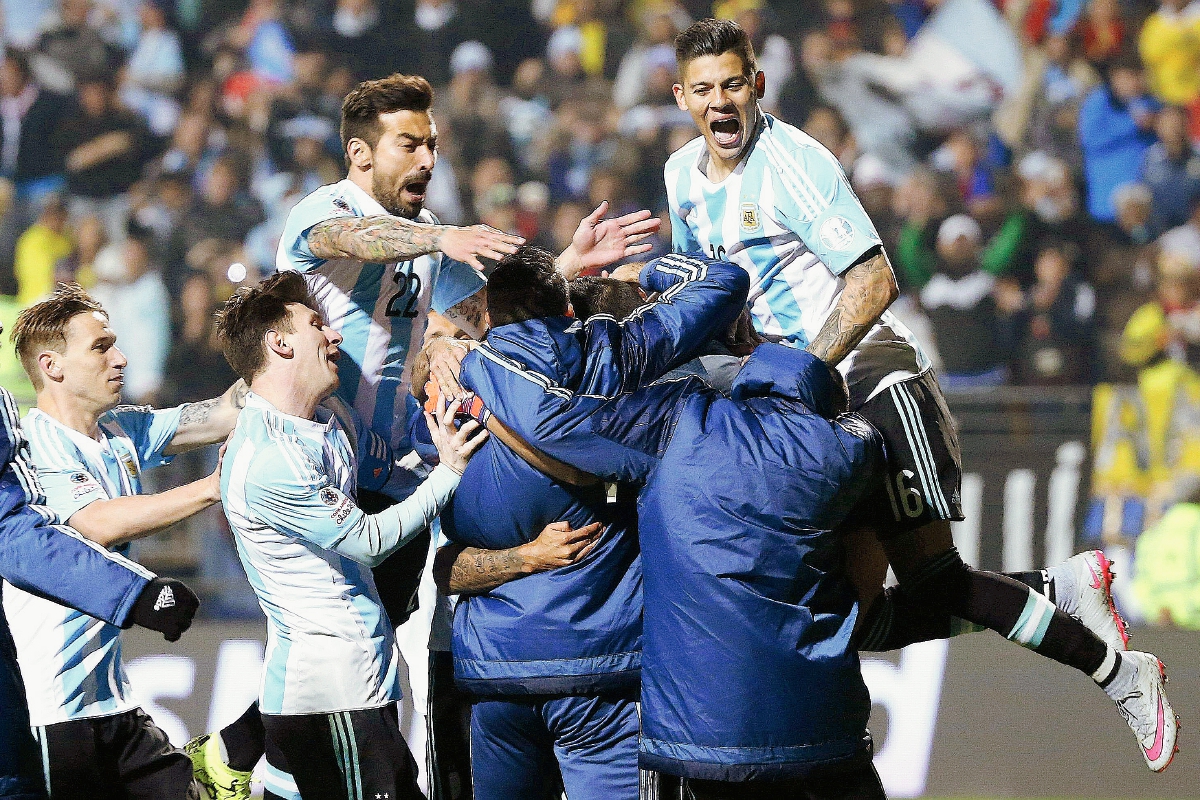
column 384, row 238
column 472, row 570
column 870, row 289
column 600, row 242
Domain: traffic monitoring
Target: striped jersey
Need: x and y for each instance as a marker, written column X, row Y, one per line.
column 288, row 488
column 380, row 310
column 71, row 661
column 788, row 216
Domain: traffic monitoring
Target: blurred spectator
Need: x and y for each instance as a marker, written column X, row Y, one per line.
column 471, row 106
column 440, row 27
column 79, row 265
column 603, row 35
column 1116, row 128
column 1044, row 115
column 1172, row 170
column 1170, row 47
column 566, row 77
column 372, row 39
column 195, row 366
column 1053, row 322
column 1182, row 244
column 155, row 70
column 921, row 204
column 131, row 289
column 1166, row 565
column 222, row 212
column 1046, row 210
column 29, row 116
column 1102, row 30
column 958, row 301
column 953, row 72
column 105, row 148
column 656, row 40
column 72, row 48
column 39, row 250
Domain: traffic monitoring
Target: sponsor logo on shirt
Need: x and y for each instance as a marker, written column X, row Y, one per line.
column 342, row 511
column 85, row 484
column 837, row 233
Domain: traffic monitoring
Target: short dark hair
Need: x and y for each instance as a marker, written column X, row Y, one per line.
column 591, row 295
column 364, row 104
column 252, row 311
column 44, row 325
column 526, row 285
column 712, row 37
column 20, row 60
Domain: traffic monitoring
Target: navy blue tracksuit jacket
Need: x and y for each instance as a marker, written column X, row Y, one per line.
column 747, row 668
column 577, row 629
column 57, row 563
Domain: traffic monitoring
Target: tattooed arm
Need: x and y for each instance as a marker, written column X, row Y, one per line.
column 870, row 288
column 471, row 570
column 209, row 421
column 384, row 238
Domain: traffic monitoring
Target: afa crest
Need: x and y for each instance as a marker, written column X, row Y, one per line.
column 750, row 220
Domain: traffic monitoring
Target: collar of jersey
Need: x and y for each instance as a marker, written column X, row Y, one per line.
column 80, row 439
column 368, row 205
column 316, row 429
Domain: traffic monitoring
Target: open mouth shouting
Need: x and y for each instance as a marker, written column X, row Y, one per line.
column 414, row 189
column 726, row 131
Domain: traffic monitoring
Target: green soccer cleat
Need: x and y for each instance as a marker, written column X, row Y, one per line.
column 218, row 779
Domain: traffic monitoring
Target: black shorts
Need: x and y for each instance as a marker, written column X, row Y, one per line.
column 108, row 758
column 924, row 463
column 345, row 755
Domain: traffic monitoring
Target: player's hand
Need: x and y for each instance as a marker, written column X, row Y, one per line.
column 214, row 480
column 558, row 546
column 468, row 245
column 599, row 242
column 167, row 606
column 629, row 273
column 455, row 444
column 445, row 365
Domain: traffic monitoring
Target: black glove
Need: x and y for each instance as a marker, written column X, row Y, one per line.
column 167, row 606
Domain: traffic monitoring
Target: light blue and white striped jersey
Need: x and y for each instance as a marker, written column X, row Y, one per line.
column 288, row 487
column 380, row 310
column 72, row 662
column 788, row 216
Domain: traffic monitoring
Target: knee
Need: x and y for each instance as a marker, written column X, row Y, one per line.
column 939, row 580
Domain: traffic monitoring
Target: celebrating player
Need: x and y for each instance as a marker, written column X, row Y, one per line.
column 90, row 457
column 770, row 198
column 330, row 681
column 41, row 557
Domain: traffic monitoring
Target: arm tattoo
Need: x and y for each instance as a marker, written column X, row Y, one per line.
column 197, row 413
column 381, row 239
column 467, row 315
column 870, row 289
column 478, row 571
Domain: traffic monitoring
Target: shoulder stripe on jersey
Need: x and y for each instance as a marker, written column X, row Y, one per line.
column 824, row 155
column 688, row 150
column 804, row 204
column 51, row 443
column 782, row 162
column 292, row 451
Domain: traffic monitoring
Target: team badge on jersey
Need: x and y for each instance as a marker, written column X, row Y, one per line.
column 837, row 233
column 130, row 465
column 750, row 220
column 328, row 496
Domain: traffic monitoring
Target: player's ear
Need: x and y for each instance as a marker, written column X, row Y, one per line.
column 359, row 153
column 48, row 363
column 277, row 345
column 760, row 84
column 677, row 89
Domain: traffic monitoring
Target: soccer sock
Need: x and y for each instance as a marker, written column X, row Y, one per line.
column 1038, row 580
column 1008, row 607
column 894, row 620
column 243, row 740
column 1115, row 675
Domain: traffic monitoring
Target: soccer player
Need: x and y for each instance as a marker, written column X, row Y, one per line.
column 90, row 456
column 40, row 556
column 554, row 657
column 750, row 682
column 765, row 195
column 330, row 681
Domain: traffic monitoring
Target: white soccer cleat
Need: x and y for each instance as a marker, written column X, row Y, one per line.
column 1146, row 708
column 1093, row 601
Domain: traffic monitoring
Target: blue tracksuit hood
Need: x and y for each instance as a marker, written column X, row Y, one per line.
column 770, row 371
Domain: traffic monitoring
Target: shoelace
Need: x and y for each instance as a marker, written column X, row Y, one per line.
column 1144, row 726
